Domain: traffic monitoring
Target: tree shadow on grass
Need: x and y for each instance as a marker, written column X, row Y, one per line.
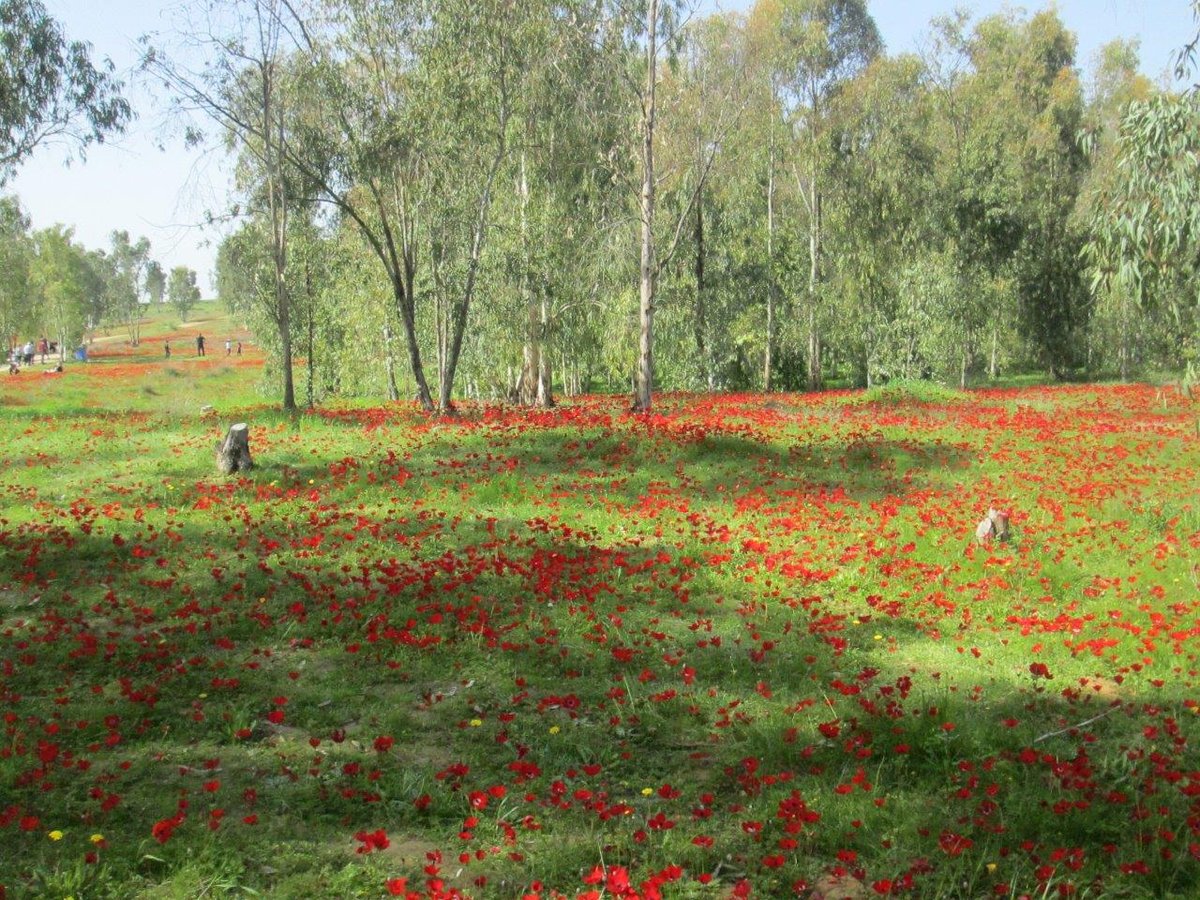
column 502, row 618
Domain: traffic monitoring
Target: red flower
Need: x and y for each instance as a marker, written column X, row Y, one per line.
column 372, row 840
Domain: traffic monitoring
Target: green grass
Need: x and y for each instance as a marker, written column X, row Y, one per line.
column 579, row 629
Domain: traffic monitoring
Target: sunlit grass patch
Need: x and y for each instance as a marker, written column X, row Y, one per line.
column 744, row 641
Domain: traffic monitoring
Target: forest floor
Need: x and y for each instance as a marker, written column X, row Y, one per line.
column 742, row 646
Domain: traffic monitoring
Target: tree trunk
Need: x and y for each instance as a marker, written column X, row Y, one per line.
column 289, row 386
column 460, row 310
column 527, row 392
column 545, row 392
column 233, row 453
column 310, row 358
column 278, row 210
column 768, row 356
column 644, row 373
column 389, row 363
column 408, row 319
column 993, row 368
column 1124, row 351
column 814, row 280
column 701, row 321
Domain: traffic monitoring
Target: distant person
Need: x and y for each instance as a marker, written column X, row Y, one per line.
column 29, row 353
column 14, row 361
column 199, row 345
column 167, row 349
column 228, row 346
column 43, row 347
column 239, row 349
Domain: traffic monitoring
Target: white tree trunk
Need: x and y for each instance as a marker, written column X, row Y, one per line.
column 644, row 374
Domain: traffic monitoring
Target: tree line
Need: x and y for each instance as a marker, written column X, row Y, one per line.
column 51, row 91
column 52, row 286
column 445, row 198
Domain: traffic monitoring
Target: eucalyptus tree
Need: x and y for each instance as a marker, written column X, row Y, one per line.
column 156, row 282
column 469, row 137
column 16, row 248
column 59, row 277
column 50, row 89
column 884, row 173
column 706, row 160
column 243, row 86
column 565, row 194
column 653, row 27
column 128, row 285
column 182, row 291
column 1116, row 330
column 820, row 46
column 1019, row 170
column 406, row 142
column 648, row 33
column 1145, row 226
column 1144, row 232
column 98, row 271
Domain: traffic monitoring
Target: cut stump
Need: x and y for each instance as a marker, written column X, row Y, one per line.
column 233, row 453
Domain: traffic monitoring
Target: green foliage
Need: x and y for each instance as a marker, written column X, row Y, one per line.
column 59, row 274
column 128, row 281
column 182, row 291
column 1145, row 222
column 15, row 256
column 894, row 216
column 49, row 87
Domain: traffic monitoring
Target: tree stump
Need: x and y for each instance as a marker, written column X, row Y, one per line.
column 233, row 453
column 994, row 526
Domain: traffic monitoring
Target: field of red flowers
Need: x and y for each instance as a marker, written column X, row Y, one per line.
column 744, row 646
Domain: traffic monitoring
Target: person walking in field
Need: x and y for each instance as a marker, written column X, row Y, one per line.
column 239, row 349
column 167, row 349
column 199, row 345
column 228, row 346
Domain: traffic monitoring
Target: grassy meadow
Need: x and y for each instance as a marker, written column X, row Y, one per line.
column 743, row 646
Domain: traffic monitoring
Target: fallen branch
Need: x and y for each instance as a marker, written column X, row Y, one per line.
column 1107, row 712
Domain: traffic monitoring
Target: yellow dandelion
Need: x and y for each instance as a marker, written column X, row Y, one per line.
column 96, row 838
column 646, row 792
column 554, row 729
column 475, row 723
column 55, row 835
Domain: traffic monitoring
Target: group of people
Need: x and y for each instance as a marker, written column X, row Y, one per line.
column 23, row 354
column 229, row 343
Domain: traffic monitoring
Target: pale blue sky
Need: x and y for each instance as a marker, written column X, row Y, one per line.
column 132, row 185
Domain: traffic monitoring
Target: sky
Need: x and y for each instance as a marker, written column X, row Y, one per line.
column 145, row 182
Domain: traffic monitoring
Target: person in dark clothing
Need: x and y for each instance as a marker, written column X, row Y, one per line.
column 199, row 345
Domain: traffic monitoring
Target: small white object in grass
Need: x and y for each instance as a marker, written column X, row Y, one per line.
column 206, row 408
